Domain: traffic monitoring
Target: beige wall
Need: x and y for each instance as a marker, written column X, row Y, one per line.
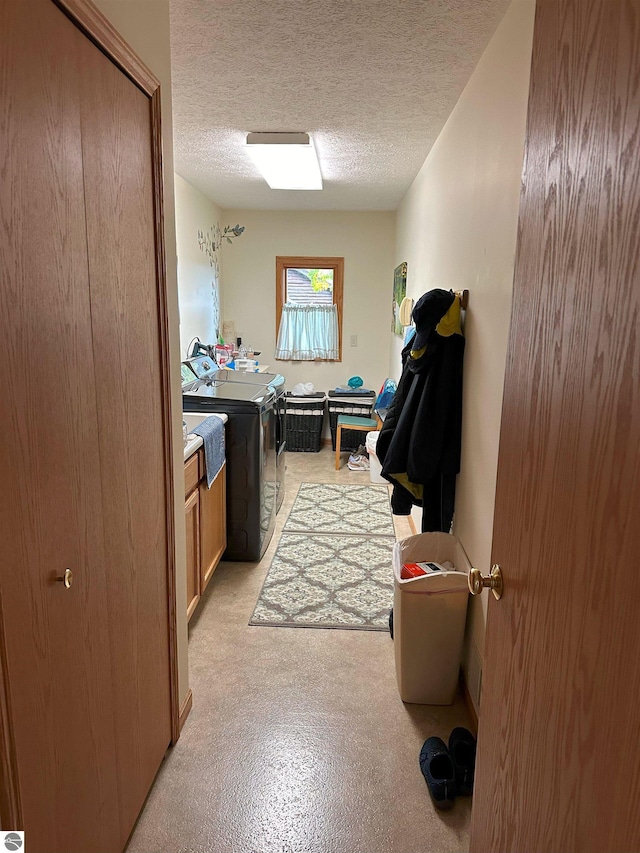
column 144, row 24
column 365, row 240
column 456, row 228
column 198, row 281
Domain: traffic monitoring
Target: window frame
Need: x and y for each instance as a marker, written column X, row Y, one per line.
column 285, row 262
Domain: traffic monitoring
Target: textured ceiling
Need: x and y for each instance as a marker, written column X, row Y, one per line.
column 373, row 80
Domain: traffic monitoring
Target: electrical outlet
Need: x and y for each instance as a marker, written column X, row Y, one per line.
column 354, row 340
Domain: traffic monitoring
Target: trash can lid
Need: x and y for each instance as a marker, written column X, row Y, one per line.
column 452, row 581
column 372, row 438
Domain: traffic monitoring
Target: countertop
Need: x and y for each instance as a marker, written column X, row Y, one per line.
column 192, row 420
column 260, row 368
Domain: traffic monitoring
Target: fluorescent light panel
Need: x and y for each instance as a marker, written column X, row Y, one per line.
column 287, row 161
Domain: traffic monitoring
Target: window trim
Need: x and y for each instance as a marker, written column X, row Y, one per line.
column 285, row 262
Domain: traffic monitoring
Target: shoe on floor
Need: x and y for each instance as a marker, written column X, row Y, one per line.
column 462, row 748
column 358, row 462
column 439, row 772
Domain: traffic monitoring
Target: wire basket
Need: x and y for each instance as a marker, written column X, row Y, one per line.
column 305, row 416
column 360, row 406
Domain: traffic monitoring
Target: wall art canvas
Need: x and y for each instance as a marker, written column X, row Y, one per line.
column 399, row 293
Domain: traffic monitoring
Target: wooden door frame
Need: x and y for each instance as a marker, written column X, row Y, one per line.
column 99, row 30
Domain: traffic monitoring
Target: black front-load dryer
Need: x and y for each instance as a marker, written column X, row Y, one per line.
column 250, row 456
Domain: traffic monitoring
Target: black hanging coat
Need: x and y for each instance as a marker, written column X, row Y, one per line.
column 419, row 444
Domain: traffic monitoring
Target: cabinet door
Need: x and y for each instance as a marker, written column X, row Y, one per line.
column 192, row 522
column 125, row 311
column 56, row 663
column 213, row 525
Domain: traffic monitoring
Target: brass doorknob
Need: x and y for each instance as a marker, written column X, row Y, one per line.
column 66, row 579
column 477, row 582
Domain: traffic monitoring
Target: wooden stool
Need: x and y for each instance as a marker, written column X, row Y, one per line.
column 360, row 424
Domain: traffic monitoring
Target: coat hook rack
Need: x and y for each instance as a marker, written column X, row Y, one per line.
column 463, row 295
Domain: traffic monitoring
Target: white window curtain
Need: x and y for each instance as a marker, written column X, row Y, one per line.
column 308, row 332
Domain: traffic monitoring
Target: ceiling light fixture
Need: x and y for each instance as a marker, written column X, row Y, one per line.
column 287, row 161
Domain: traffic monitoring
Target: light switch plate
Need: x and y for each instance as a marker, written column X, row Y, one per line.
column 354, row 340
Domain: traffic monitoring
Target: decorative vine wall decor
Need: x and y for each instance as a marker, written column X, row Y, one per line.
column 211, row 241
column 209, row 244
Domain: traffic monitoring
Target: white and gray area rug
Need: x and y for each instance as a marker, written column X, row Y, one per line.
column 322, row 508
column 332, row 567
column 320, row 581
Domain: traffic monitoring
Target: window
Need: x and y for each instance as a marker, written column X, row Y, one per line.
column 309, row 309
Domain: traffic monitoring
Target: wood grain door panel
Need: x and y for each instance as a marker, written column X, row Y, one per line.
column 557, row 746
column 117, row 144
column 213, row 527
column 192, row 525
column 58, row 663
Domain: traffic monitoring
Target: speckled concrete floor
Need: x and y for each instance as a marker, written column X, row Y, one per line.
column 298, row 741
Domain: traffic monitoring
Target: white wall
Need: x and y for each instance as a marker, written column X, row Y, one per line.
column 365, row 240
column 456, row 228
column 144, row 24
column 198, row 284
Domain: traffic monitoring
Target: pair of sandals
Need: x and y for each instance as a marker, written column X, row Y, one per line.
column 449, row 771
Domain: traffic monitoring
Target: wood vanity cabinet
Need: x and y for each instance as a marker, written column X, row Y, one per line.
column 206, row 526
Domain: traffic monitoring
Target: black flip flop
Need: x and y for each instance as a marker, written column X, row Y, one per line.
column 439, row 772
column 462, row 748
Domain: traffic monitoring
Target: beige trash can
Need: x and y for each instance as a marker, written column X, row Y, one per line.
column 429, row 614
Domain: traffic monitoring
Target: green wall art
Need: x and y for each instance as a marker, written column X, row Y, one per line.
column 399, row 293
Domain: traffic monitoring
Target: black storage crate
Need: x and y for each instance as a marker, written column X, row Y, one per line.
column 357, row 406
column 305, row 416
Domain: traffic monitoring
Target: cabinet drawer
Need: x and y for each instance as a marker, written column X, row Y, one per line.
column 191, row 474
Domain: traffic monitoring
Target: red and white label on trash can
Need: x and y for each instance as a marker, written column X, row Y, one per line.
column 416, row 570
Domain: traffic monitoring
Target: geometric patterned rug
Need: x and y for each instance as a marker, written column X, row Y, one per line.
column 323, row 508
column 320, row 581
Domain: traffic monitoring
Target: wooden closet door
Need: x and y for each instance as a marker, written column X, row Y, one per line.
column 117, row 150
column 56, row 662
